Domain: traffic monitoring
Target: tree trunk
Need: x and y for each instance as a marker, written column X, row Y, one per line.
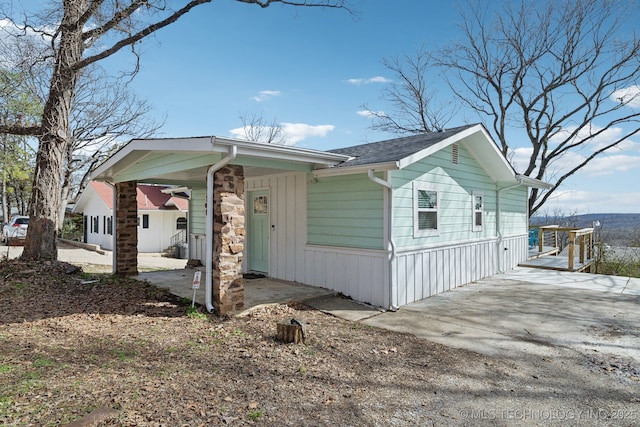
column 5, row 208
column 66, row 186
column 44, row 208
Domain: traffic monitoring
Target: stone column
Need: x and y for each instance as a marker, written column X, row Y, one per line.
column 228, row 239
column 126, row 228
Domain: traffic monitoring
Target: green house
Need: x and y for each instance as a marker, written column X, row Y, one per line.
column 386, row 223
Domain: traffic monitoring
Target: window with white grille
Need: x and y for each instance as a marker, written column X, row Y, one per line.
column 425, row 210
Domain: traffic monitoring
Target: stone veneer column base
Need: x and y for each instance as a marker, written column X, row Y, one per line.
column 228, row 239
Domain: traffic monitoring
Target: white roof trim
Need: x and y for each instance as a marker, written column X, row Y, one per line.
column 213, row 144
column 350, row 170
column 415, row 157
column 533, row 182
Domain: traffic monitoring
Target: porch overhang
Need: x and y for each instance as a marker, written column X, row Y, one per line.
column 184, row 161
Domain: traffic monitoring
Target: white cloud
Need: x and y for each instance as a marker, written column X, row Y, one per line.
column 369, row 113
column 611, row 164
column 600, row 137
column 583, row 202
column 629, row 96
column 621, row 158
column 265, row 95
column 293, row 132
column 376, row 79
column 296, row 132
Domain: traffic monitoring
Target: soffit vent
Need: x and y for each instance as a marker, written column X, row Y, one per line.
column 454, row 154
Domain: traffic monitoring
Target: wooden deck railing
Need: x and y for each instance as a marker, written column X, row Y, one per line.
column 548, row 242
column 584, row 237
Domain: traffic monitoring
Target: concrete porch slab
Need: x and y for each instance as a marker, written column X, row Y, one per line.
column 257, row 292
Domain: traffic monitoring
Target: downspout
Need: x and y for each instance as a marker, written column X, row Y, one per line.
column 393, row 303
column 233, row 152
column 113, row 227
column 499, row 225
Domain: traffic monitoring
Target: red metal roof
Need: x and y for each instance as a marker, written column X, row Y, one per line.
column 149, row 197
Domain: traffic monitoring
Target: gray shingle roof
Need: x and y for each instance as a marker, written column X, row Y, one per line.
column 393, row 150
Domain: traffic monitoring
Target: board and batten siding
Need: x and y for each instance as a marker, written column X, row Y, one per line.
column 287, row 216
column 346, row 211
column 197, row 224
column 420, row 274
column 361, row 274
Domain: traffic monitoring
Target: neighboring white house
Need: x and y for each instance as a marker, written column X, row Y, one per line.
column 162, row 216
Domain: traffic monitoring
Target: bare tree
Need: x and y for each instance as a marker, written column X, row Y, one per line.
column 566, row 73
column 414, row 104
column 256, row 128
column 82, row 33
column 103, row 111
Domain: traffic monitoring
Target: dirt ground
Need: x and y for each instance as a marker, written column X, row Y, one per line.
column 119, row 352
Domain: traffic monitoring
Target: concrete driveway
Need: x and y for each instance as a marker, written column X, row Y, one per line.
column 529, row 311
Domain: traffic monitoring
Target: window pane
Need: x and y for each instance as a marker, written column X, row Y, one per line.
column 478, row 218
column 427, row 199
column 427, row 221
column 478, row 205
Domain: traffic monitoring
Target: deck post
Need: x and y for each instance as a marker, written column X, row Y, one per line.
column 572, row 248
column 540, row 239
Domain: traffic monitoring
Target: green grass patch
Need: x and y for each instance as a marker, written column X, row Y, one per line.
column 193, row 313
column 123, row 354
column 255, row 414
column 42, row 362
column 619, row 268
column 4, row 368
column 239, row 333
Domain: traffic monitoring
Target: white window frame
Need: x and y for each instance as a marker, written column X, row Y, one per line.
column 475, row 211
column 418, row 186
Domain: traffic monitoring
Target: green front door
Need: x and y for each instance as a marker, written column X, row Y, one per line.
column 258, row 238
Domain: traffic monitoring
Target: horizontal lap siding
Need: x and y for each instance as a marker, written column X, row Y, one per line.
column 514, row 217
column 346, row 211
column 455, row 185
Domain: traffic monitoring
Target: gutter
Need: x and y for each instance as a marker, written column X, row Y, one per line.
column 499, row 225
column 393, row 303
column 233, row 152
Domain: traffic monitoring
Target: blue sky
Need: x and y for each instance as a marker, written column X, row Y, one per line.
column 311, row 70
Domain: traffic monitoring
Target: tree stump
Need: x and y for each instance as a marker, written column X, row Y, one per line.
column 291, row 331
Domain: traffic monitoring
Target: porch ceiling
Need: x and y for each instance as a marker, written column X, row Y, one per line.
column 186, row 161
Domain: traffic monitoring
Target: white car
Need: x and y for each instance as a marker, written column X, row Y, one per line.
column 15, row 230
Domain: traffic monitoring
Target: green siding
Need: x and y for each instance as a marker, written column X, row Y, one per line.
column 346, row 211
column 514, row 211
column 197, row 211
column 455, row 185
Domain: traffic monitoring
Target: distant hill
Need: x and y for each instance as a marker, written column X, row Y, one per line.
column 614, row 229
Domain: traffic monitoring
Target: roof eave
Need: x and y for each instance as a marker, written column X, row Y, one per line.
column 533, row 182
column 415, row 157
column 214, row 144
column 351, row 170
